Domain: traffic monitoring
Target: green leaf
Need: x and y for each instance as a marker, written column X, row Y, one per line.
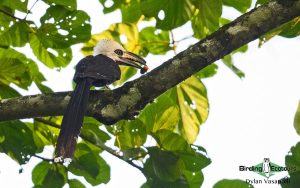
column 7, row 92
column 194, row 161
column 74, row 183
column 131, row 134
column 131, row 12
column 161, row 114
column 92, row 132
column 89, row 164
column 61, row 59
column 49, row 175
column 47, row 134
column 227, row 60
column 62, row 28
column 208, row 71
column 16, row 140
column 292, row 162
column 232, row 184
column 191, row 98
column 206, row 19
column 16, row 35
column 70, row 4
column 13, row 68
column 166, row 165
column 290, row 29
column 194, row 179
column 241, row 6
column 261, row 2
column 171, row 141
column 173, row 13
column 154, row 41
column 297, row 120
column 15, row 4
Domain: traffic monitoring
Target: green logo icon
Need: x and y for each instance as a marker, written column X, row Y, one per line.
column 267, row 168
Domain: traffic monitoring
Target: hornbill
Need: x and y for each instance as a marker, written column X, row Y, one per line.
column 99, row 70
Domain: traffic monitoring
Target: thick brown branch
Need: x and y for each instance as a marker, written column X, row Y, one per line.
column 123, row 103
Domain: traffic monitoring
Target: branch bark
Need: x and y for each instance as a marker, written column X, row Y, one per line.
column 124, row 102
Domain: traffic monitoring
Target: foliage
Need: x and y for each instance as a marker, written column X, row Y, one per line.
column 172, row 121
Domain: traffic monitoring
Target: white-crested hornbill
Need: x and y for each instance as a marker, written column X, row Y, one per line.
column 99, row 70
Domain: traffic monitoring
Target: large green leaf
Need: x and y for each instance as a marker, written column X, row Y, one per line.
column 13, row 70
column 18, row 69
column 130, row 134
column 297, row 120
column 292, row 162
column 70, row 4
column 166, row 165
column 7, row 92
column 62, row 28
column 89, row 164
column 20, row 5
column 232, row 184
column 162, row 114
column 16, row 140
column 15, row 35
column 154, row 41
column 191, row 98
column 171, row 141
column 194, row 179
column 131, row 11
column 61, row 59
column 92, row 132
column 49, row 175
column 241, row 6
column 169, row 14
column 206, row 19
column 110, row 6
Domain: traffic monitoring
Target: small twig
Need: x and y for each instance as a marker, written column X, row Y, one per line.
column 10, row 15
column 184, row 38
column 30, row 9
column 44, row 159
column 173, row 42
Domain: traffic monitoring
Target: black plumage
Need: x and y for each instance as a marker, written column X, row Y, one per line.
column 92, row 70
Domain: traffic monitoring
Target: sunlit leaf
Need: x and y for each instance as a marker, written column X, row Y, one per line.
column 162, row 114
column 131, row 134
column 16, row 35
column 192, row 100
column 109, row 6
column 49, row 175
column 297, row 120
column 61, row 58
column 208, row 71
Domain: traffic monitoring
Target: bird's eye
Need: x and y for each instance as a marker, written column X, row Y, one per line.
column 118, row 52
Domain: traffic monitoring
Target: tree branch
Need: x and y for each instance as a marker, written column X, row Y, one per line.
column 124, row 102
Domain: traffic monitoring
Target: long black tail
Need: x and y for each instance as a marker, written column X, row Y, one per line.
column 72, row 120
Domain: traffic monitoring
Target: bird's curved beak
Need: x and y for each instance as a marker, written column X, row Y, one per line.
column 131, row 59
